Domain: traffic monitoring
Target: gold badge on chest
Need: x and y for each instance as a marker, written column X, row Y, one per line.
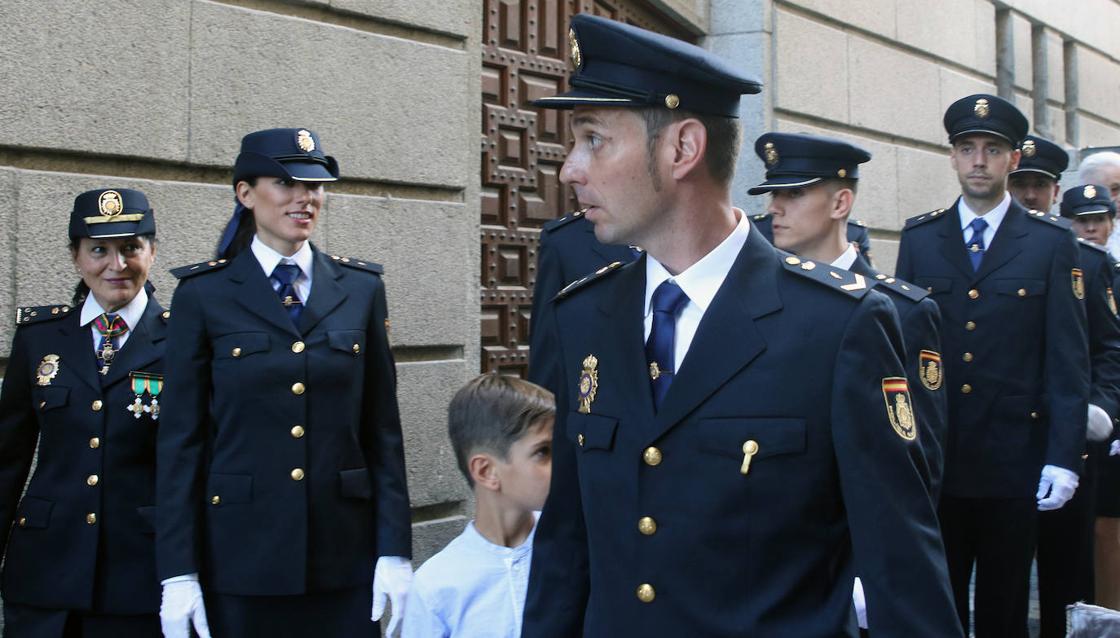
column 48, row 369
column 588, row 383
column 896, row 394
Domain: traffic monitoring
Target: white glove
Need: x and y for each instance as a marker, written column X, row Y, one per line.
column 860, row 604
column 392, row 576
column 1099, row 424
column 182, row 607
column 1059, row 483
column 1114, row 449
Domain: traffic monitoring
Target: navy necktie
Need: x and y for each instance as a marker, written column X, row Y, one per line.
column 976, row 242
column 667, row 302
column 285, row 275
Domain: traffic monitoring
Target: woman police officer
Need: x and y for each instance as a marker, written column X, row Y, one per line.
column 85, row 380
column 281, row 468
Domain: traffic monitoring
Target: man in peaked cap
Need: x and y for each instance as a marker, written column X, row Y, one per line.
column 722, row 457
column 1035, row 182
column 1010, row 288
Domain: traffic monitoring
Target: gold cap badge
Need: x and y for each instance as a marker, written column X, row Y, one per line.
column 896, row 394
column 588, row 383
column 672, row 101
column 929, row 369
column 841, row 173
column 110, row 203
column 1090, row 191
column 304, row 141
column 573, row 44
column 1029, row 149
column 982, row 109
column 770, row 153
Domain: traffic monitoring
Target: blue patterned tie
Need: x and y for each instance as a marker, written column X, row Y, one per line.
column 285, row 276
column 667, row 302
column 976, row 243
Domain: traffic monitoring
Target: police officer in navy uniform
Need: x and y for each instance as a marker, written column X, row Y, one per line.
column 855, row 232
column 1010, row 288
column 734, row 424
column 1065, row 536
column 281, row 468
column 85, row 382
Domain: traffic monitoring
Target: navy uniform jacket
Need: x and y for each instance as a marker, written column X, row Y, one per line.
column 568, row 250
column 1104, row 328
column 857, row 232
column 1015, row 348
column 281, row 467
column 921, row 334
column 83, row 536
column 779, row 359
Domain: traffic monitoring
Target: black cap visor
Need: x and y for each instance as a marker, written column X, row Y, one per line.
column 783, row 183
column 1040, row 171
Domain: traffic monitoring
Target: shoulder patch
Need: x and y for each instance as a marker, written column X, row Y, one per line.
column 563, row 221
column 35, row 314
column 1089, row 244
column 853, row 284
column 923, row 218
column 1052, row 220
column 197, row 269
column 904, row 288
column 587, row 280
column 358, row 264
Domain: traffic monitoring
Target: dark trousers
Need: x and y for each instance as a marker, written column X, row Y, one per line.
column 24, row 621
column 340, row 613
column 1065, row 554
column 997, row 537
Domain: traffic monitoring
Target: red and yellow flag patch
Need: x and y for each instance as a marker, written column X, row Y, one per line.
column 929, row 369
column 896, row 395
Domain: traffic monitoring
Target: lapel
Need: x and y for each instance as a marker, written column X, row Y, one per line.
column 326, row 292
column 1005, row 243
column 952, row 242
column 623, row 305
column 726, row 340
column 140, row 348
column 83, row 363
column 254, row 292
column 861, row 267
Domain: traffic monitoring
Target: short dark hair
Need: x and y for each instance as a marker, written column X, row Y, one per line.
column 724, row 138
column 838, row 183
column 491, row 412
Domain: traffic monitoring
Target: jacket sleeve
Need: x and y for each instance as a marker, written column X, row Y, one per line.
column 382, row 439
column 19, row 433
column 1104, row 340
column 559, row 580
column 922, row 332
column 896, row 541
column 182, row 438
column 543, row 358
column 904, row 267
column 1066, row 364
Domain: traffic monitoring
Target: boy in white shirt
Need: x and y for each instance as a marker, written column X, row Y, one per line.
column 501, row 430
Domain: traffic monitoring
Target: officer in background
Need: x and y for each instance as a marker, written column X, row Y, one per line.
column 85, row 382
column 1103, row 168
column 1013, row 329
column 855, row 233
column 282, row 493
column 1065, row 536
column 724, row 479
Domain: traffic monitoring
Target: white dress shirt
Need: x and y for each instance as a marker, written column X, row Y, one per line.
column 269, row 259
column 846, row 258
column 131, row 313
column 700, row 281
column 994, row 218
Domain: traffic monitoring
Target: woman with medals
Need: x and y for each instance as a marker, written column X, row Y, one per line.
column 282, row 496
column 85, row 380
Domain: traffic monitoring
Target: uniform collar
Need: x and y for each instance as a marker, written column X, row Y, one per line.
column 701, row 281
column 846, row 258
column 994, row 217
column 269, row 258
column 131, row 312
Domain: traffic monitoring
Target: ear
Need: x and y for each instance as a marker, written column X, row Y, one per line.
column 1016, row 155
column 1056, row 195
column 484, row 472
column 245, row 194
column 842, row 201
column 689, row 141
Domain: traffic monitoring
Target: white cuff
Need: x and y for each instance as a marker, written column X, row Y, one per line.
column 180, row 579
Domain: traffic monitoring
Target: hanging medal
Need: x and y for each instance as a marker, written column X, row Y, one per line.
column 145, row 383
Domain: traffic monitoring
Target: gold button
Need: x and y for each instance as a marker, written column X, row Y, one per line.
column 298, row 389
column 42, row 404
column 297, row 474
column 652, row 456
column 580, row 439
column 1022, row 292
column 357, row 348
column 91, row 480
column 166, row 314
column 215, row 500
column 646, row 594
column 94, row 443
column 236, row 352
column 967, row 357
column 22, row 521
column 974, row 294
column 1034, row 415
column 647, row 526
column 297, row 432
column 298, row 347
column 965, row 389
column 96, row 405
column 91, row 519
column 971, row 325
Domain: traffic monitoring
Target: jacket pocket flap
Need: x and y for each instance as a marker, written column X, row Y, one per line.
column 355, row 483
column 591, row 431
column 230, row 488
column 935, row 284
column 53, row 397
column 1020, row 287
column 34, row 513
column 772, row 436
column 353, row 341
column 241, row 344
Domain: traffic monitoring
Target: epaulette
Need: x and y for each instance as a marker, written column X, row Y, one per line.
column 563, row 221
column 759, row 217
column 35, row 314
column 857, row 222
column 586, row 281
column 906, row 289
column 923, row 218
column 1053, row 220
column 1088, row 244
column 196, row 269
column 839, row 279
column 358, row 264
